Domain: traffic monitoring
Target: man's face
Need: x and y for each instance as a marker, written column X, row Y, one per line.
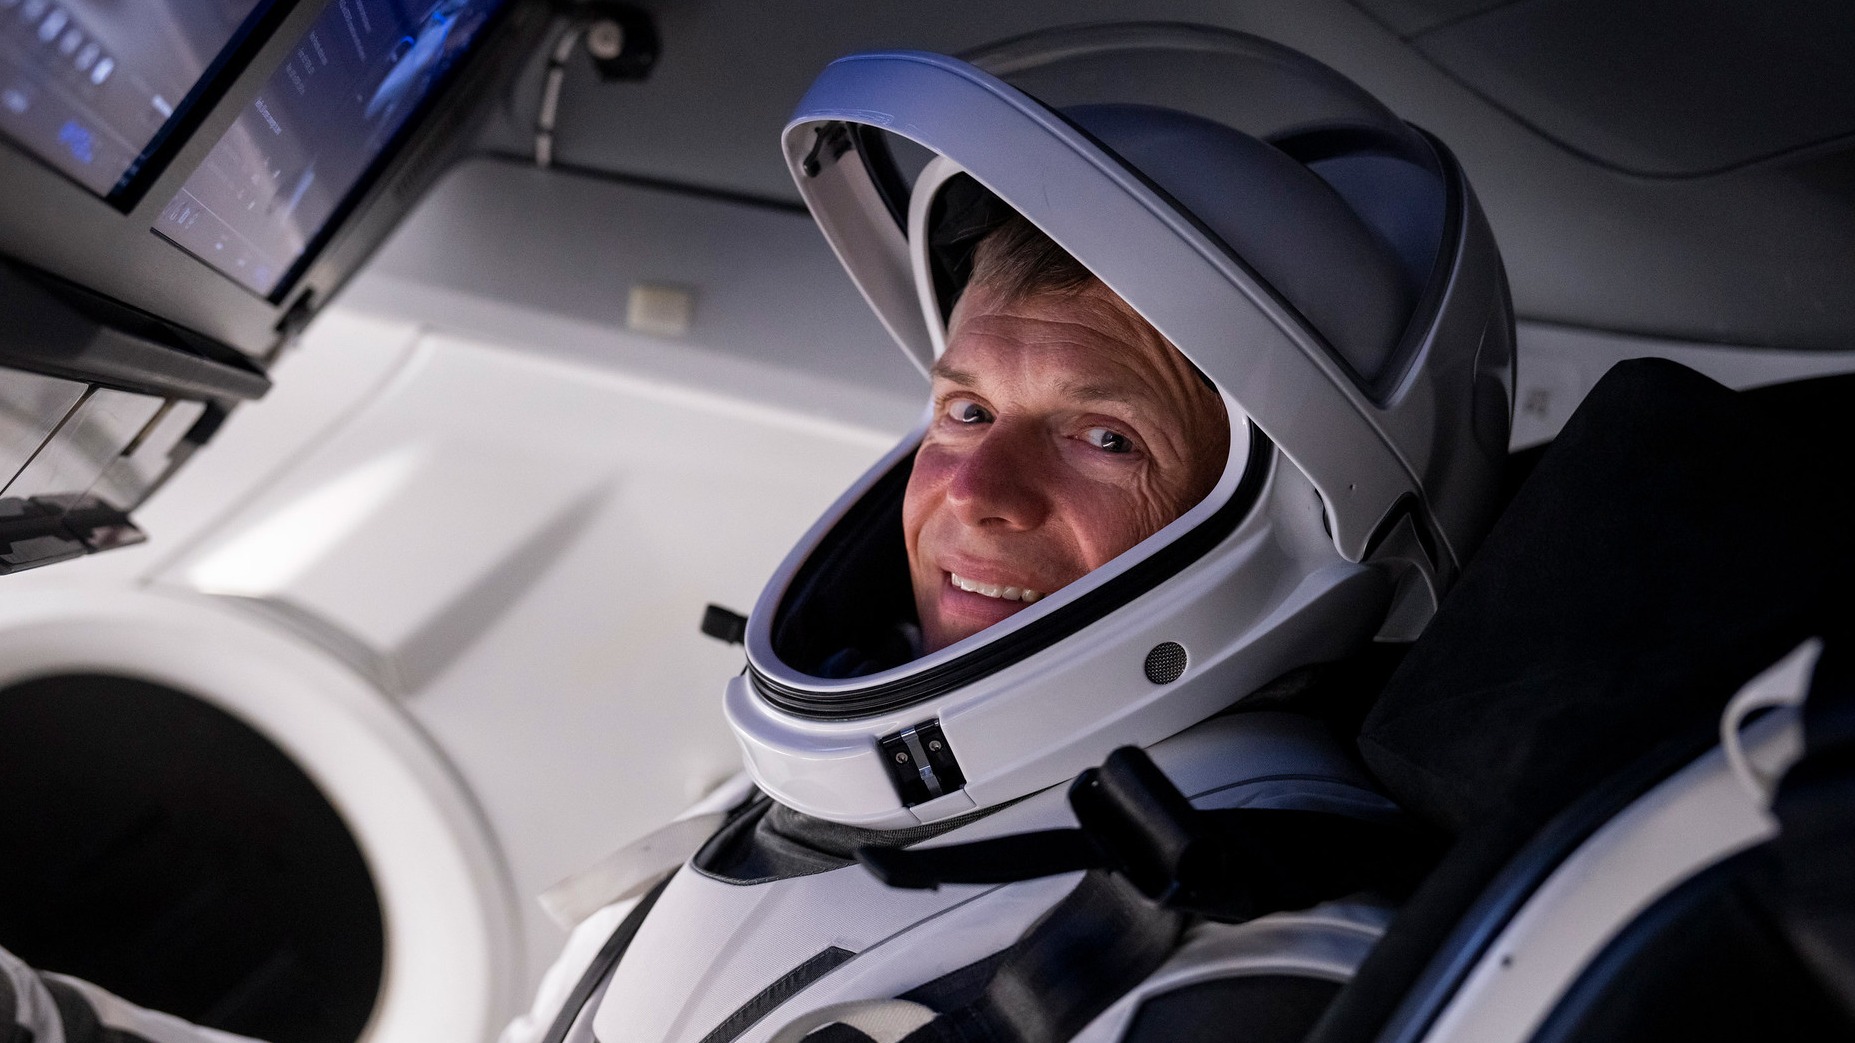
column 1065, row 431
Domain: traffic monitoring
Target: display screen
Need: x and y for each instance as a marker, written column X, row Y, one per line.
column 263, row 194
column 90, row 85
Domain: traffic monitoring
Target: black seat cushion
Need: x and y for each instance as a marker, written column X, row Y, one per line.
column 1676, row 539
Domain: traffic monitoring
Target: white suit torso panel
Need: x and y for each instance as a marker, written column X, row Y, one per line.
column 721, row 959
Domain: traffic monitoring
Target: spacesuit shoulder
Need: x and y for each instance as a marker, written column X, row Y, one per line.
column 590, row 930
column 583, row 944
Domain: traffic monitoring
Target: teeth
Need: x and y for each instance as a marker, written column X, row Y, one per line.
column 993, row 590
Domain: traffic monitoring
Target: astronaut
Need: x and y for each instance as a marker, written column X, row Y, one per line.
column 1221, row 363
column 1220, row 391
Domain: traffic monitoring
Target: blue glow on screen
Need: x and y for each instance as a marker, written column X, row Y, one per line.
column 91, row 86
column 261, row 197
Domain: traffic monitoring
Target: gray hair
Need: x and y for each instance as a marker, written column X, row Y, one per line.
column 1016, row 260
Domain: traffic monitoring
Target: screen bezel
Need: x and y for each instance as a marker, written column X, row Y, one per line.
column 208, row 88
column 51, row 224
column 363, row 184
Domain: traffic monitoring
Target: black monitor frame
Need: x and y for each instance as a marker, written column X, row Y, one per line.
column 52, row 225
column 219, row 75
column 208, row 88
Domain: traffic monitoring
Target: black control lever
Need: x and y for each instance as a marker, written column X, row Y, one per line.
column 724, row 624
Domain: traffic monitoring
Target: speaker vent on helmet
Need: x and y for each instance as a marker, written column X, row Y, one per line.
column 1165, row 663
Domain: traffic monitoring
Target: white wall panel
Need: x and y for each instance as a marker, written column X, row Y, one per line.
column 521, row 549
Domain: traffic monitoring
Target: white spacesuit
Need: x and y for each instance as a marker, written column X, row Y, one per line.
column 1326, row 270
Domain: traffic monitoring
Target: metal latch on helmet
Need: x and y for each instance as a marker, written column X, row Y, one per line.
column 830, row 144
column 920, row 763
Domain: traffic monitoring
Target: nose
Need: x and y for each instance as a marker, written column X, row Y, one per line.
column 1000, row 482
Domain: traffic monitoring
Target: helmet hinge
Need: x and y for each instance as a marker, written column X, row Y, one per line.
column 831, row 142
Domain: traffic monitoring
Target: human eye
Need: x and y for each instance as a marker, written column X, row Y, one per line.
column 1108, row 440
column 965, row 411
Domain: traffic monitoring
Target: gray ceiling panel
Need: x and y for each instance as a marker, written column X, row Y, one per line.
column 1760, row 255
column 1664, row 87
column 731, row 71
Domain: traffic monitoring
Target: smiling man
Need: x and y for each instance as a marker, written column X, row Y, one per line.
column 1065, row 431
column 1101, row 536
column 1326, row 427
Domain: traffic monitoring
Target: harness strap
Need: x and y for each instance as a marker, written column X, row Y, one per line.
column 626, row 872
column 604, row 963
column 1101, row 940
column 1229, row 865
column 1153, row 865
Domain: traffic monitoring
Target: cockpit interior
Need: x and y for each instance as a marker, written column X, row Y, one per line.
column 388, row 388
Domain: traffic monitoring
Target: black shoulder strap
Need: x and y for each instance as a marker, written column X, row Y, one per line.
column 1154, row 863
column 1228, row 864
column 604, row 963
column 1086, row 952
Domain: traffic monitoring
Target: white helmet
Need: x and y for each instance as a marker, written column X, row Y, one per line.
column 1321, row 262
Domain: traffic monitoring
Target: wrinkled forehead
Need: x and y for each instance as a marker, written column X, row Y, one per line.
column 1085, row 343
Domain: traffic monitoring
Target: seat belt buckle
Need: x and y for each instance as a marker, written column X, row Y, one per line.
column 1146, row 830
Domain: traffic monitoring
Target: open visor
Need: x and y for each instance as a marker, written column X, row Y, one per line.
column 1308, row 329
